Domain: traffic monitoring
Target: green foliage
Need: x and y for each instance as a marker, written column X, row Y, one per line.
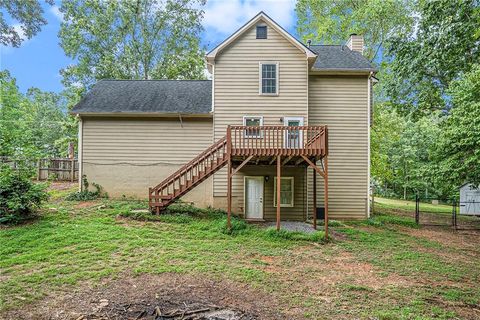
column 29, row 17
column 459, row 143
column 33, row 125
column 85, row 194
column 147, row 39
column 331, row 22
column 426, row 60
column 403, row 152
column 19, row 196
column 237, row 226
column 272, row 233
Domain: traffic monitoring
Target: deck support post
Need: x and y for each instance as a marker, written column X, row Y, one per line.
column 229, row 178
column 325, row 168
column 314, row 199
column 278, row 190
column 229, row 194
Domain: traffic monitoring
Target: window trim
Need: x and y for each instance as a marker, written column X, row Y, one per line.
column 292, row 179
column 245, row 124
column 277, row 81
column 261, row 26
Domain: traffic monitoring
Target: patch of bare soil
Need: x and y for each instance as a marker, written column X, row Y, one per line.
column 85, row 204
column 463, row 240
column 308, row 273
column 155, row 297
column 62, row 185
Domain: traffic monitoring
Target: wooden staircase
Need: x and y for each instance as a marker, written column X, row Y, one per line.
column 188, row 176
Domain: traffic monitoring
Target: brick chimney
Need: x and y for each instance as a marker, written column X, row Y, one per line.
column 355, row 43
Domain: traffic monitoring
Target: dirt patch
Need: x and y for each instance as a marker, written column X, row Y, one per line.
column 62, row 185
column 462, row 240
column 85, row 204
column 175, row 296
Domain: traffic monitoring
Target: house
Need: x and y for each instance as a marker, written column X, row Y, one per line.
column 275, row 107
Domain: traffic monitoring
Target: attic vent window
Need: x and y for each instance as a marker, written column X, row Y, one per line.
column 261, row 32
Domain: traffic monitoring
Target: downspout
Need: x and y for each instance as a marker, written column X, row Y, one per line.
column 180, row 118
column 80, row 152
column 369, row 79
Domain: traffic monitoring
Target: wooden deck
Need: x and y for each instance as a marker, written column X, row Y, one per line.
column 310, row 141
column 242, row 145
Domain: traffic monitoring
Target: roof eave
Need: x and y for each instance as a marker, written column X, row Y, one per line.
column 342, row 71
column 142, row 114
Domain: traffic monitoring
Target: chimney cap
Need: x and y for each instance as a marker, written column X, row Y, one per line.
column 353, row 34
column 309, row 42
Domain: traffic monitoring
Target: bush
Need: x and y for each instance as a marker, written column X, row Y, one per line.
column 86, row 194
column 238, row 226
column 273, row 234
column 19, row 196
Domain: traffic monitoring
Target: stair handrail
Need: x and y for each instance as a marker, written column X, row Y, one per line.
column 211, row 149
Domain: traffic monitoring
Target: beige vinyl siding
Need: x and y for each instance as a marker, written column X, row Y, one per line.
column 341, row 103
column 128, row 155
column 236, row 88
column 145, row 140
column 297, row 212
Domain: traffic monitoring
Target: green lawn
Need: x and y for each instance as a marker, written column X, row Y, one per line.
column 380, row 270
column 410, row 205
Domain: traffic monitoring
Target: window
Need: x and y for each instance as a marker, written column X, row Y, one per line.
column 253, row 121
column 269, row 78
column 261, row 32
column 286, row 192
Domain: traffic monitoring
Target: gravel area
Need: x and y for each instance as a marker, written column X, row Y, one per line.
column 293, row 226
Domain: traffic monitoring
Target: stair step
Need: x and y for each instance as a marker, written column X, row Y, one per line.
column 164, row 197
column 209, row 162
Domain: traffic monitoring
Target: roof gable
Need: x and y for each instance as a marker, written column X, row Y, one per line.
column 261, row 16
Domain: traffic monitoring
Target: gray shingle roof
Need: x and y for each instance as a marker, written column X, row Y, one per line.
column 338, row 57
column 147, row 96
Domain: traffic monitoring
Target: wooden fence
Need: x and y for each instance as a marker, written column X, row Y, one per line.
column 55, row 169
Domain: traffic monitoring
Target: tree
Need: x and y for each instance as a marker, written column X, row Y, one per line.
column 444, row 45
column 142, row 39
column 11, row 99
column 330, row 22
column 403, row 152
column 29, row 15
column 459, row 144
column 34, row 125
column 385, row 133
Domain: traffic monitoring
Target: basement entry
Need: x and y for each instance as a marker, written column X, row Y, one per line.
column 254, row 198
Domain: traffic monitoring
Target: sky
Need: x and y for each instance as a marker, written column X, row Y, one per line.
column 37, row 63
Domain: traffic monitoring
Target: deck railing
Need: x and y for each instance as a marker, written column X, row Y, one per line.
column 277, row 140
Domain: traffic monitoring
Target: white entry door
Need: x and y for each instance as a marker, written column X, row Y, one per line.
column 293, row 138
column 254, row 197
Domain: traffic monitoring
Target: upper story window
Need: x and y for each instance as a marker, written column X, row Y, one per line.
column 254, row 122
column 261, row 32
column 269, row 78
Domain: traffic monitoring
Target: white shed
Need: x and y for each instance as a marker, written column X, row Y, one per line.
column 469, row 200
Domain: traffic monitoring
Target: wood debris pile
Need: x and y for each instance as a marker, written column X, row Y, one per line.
column 143, row 311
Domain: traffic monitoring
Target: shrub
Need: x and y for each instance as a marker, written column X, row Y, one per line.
column 19, row 196
column 86, row 194
column 273, row 234
column 238, row 226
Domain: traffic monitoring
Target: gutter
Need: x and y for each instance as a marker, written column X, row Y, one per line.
column 141, row 114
